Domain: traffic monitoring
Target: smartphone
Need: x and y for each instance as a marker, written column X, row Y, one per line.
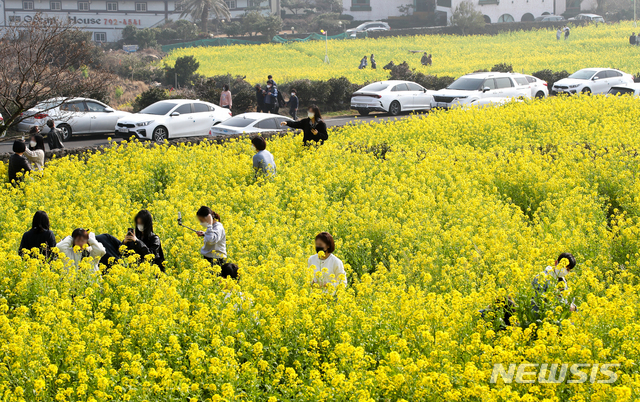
column 130, row 231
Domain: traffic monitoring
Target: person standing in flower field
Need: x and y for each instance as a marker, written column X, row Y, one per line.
column 567, row 31
column 39, row 236
column 225, row 97
column 263, row 162
column 632, row 39
column 271, row 98
column 374, row 65
column 214, row 248
column 313, row 127
column 294, row 102
column 559, row 34
column 363, row 63
column 327, row 268
column 143, row 241
column 259, row 98
column 35, row 150
column 18, row 164
column 82, row 244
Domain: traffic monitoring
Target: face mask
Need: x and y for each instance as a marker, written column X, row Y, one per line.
column 311, row 115
column 140, row 228
column 204, row 224
column 319, row 249
column 268, row 86
column 32, row 144
column 292, row 94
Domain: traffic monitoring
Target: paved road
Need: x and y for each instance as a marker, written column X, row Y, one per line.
column 97, row 140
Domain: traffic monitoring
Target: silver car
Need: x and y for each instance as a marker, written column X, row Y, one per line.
column 73, row 116
column 369, row 27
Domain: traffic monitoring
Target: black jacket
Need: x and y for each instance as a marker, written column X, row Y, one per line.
column 54, row 139
column 45, row 240
column 17, row 164
column 306, row 126
column 293, row 102
column 632, row 40
column 259, row 99
column 112, row 246
column 148, row 245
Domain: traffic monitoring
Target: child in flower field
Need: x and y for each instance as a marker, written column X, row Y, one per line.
column 327, row 268
column 556, row 275
column 214, row 248
column 82, row 244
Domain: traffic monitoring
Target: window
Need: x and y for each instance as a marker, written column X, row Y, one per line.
column 77, row 106
column 506, row 18
column 360, row 5
column 522, row 81
column 503, row 83
column 613, row 74
column 444, row 3
column 377, row 87
column 254, row 3
column 489, row 83
column 27, row 5
column 184, row 109
column 414, row 87
column 600, row 75
column 179, row 6
column 100, row 36
column 268, row 124
column 83, row 6
column 55, row 5
column 158, row 108
column 94, row 106
column 231, row 4
column 201, row 107
column 112, row 6
column 141, row 7
column 399, row 88
column 531, row 79
column 14, row 18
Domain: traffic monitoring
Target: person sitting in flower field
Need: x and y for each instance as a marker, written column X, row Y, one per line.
column 18, row 164
column 556, row 275
column 39, row 236
column 327, row 268
column 143, row 241
column 214, row 248
column 82, row 244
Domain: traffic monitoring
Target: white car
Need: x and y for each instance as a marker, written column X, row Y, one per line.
column 393, row 97
column 588, row 17
column 477, row 87
column 548, row 18
column 592, row 80
column 73, row 116
column 539, row 88
column 172, row 119
column 250, row 123
column 370, row 26
column 632, row 89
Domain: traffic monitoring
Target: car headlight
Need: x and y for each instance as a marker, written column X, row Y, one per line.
column 574, row 86
column 144, row 123
column 461, row 97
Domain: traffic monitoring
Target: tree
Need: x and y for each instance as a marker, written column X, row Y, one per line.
column 329, row 6
column 466, row 17
column 252, row 21
column 296, row 5
column 201, row 9
column 185, row 67
column 329, row 22
column 186, row 30
column 129, row 34
column 146, row 38
column 271, row 26
column 43, row 59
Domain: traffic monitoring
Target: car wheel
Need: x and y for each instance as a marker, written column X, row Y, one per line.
column 394, row 108
column 586, row 91
column 66, row 132
column 540, row 94
column 363, row 112
column 160, row 134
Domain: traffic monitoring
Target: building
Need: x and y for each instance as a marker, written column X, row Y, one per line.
column 493, row 10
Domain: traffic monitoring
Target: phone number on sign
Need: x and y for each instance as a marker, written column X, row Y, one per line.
column 123, row 22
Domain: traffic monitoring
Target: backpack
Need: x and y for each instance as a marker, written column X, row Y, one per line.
column 281, row 101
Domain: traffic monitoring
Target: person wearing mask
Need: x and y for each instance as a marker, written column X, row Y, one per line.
column 271, row 97
column 294, row 102
column 18, row 164
column 263, row 162
column 143, row 241
column 35, row 150
column 313, row 127
column 225, row 97
column 374, row 65
column 363, row 63
column 54, row 136
column 259, row 98
column 214, row 248
column 327, row 268
column 82, row 244
column 39, row 236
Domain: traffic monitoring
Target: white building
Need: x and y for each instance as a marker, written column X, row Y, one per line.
column 493, row 10
column 107, row 18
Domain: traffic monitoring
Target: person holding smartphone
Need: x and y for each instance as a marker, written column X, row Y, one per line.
column 143, row 241
column 314, row 129
column 214, row 248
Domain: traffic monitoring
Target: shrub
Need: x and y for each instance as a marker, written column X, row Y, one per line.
column 146, row 38
column 185, row 68
column 502, row 68
column 550, row 76
column 209, row 89
column 186, row 30
column 233, row 29
column 148, row 97
column 467, row 18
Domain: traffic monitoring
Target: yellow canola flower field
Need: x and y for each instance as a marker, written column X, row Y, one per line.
column 435, row 217
column 527, row 51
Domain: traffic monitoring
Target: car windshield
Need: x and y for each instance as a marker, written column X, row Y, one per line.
column 159, row 108
column 583, row 74
column 238, row 121
column 375, row 87
column 621, row 91
column 467, row 84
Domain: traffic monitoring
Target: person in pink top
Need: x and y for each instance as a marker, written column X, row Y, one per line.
column 225, row 97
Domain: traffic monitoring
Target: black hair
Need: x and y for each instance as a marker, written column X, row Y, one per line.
column 203, row 212
column 39, row 142
column 570, row 258
column 270, row 82
column 50, row 123
column 259, row 143
column 40, row 221
column 294, row 91
column 147, row 221
column 269, row 77
column 79, row 232
column 327, row 239
column 316, row 112
column 229, row 270
column 19, row 146
column 225, row 87
column 34, row 130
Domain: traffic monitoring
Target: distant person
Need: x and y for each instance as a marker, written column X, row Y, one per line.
column 374, row 65
column 143, row 241
column 259, row 98
column 559, row 34
column 363, row 63
column 263, row 162
column 270, row 78
column 214, row 248
column 270, row 97
column 18, row 164
column 294, row 102
column 54, row 136
column 225, row 97
column 426, row 59
column 39, row 236
column 82, row 244
column 638, row 39
column 334, row 274
column 35, row 150
column 313, row 127
column 632, row 39
column 567, row 32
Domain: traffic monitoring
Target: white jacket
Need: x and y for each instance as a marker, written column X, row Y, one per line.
column 95, row 249
column 334, row 267
column 215, row 242
column 35, row 157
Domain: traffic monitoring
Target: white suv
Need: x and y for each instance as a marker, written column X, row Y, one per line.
column 480, row 88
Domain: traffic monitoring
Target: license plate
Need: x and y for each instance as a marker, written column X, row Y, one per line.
column 123, row 130
column 358, row 105
column 442, row 104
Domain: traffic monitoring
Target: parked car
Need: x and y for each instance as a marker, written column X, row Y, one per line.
column 472, row 88
column 368, row 27
column 588, row 17
column 631, row 89
column 550, row 17
column 249, row 123
column 171, row 119
column 73, row 116
column 393, row 97
column 592, row 80
column 539, row 88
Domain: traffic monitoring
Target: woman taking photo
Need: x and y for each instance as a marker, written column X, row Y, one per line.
column 143, row 241
column 325, row 246
column 214, row 248
column 313, row 127
column 35, row 150
column 39, row 236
